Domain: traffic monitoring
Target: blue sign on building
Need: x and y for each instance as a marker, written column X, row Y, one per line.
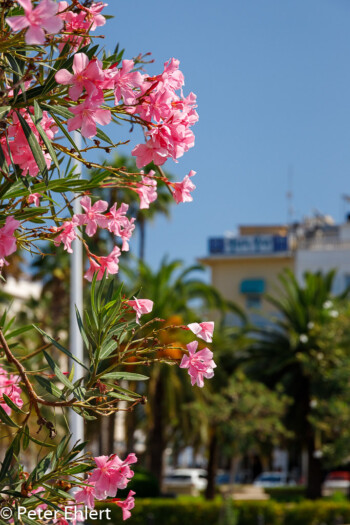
column 248, row 245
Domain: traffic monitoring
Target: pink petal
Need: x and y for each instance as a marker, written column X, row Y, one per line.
column 17, row 23
column 35, row 35
column 26, row 4
column 64, row 77
column 53, row 25
column 100, row 206
column 88, row 128
column 102, row 116
column 80, row 62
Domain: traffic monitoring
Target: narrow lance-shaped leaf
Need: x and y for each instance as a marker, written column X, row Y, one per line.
column 34, row 146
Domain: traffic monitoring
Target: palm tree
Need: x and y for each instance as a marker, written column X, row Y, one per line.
column 288, row 350
column 171, row 288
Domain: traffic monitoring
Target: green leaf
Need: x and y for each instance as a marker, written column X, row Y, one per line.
column 6, row 419
column 57, row 371
column 4, row 110
column 101, row 135
column 5, row 168
column 60, row 347
column 107, row 349
column 125, row 375
column 12, row 405
column 81, row 328
column 26, row 435
column 34, row 146
column 65, row 132
column 6, row 463
column 49, row 386
column 36, row 119
column 19, row 331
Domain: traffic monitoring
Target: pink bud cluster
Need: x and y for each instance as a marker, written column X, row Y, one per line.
column 110, row 474
column 9, row 387
column 114, row 221
column 15, row 146
column 8, row 242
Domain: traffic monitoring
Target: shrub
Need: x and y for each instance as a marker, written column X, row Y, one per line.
column 199, row 512
column 286, row 494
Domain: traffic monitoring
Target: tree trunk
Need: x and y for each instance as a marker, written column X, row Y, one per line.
column 314, row 470
column 212, row 464
column 156, row 442
column 111, row 433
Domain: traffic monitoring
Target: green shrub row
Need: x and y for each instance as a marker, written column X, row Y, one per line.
column 197, row 512
column 286, row 494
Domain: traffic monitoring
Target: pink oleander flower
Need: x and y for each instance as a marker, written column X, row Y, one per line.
column 93, row 215
column 43, row 17
column 147, row 190
column 8, row 241
column 200, row 365
column 120, row 225
column 149, row 152
column 88, row 74
column 182, row 189
column 34, row 198
column 86, row 495
column 76, row 24
column 9, row 387
column 109, row 264
column 127, row 233
column 125, row 82
column 117, row 219
column 111, row 474
column 141, row 307
column 203, row 330
column 67, row 235
column 127, row 505
column 86, row 116
column 93, row 16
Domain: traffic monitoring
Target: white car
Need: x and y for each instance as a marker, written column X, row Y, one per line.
column 190, row 481
column 272, row 479
column 337, row 481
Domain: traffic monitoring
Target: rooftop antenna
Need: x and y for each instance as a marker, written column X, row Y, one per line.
column 289, row 196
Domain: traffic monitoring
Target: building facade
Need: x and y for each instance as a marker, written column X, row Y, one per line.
column 246, row 266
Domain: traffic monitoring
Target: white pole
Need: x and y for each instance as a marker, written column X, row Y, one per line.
column 76, row 300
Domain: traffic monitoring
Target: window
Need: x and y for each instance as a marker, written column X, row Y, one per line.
column 253, row 301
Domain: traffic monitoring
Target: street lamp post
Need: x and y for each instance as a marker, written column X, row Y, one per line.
column 76, row 301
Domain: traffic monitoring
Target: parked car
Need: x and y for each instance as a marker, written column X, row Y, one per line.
column 273, row 479
column 190, row 481
column 337, row 481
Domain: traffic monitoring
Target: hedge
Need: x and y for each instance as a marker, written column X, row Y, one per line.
column 198, row 512
column 286, row 494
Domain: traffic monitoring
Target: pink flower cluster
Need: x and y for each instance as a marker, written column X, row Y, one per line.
column 50, row 17
column 9, row 387
column 141, row 307
column 18, row 148
column 110, row 474
column 42, row 18
column 78, row 24
column 169, row 116
column 8, row 241
column 200, row 364
column 115, row 221
column 89, row 76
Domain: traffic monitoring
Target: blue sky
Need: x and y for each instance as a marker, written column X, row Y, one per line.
column 273, row 84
